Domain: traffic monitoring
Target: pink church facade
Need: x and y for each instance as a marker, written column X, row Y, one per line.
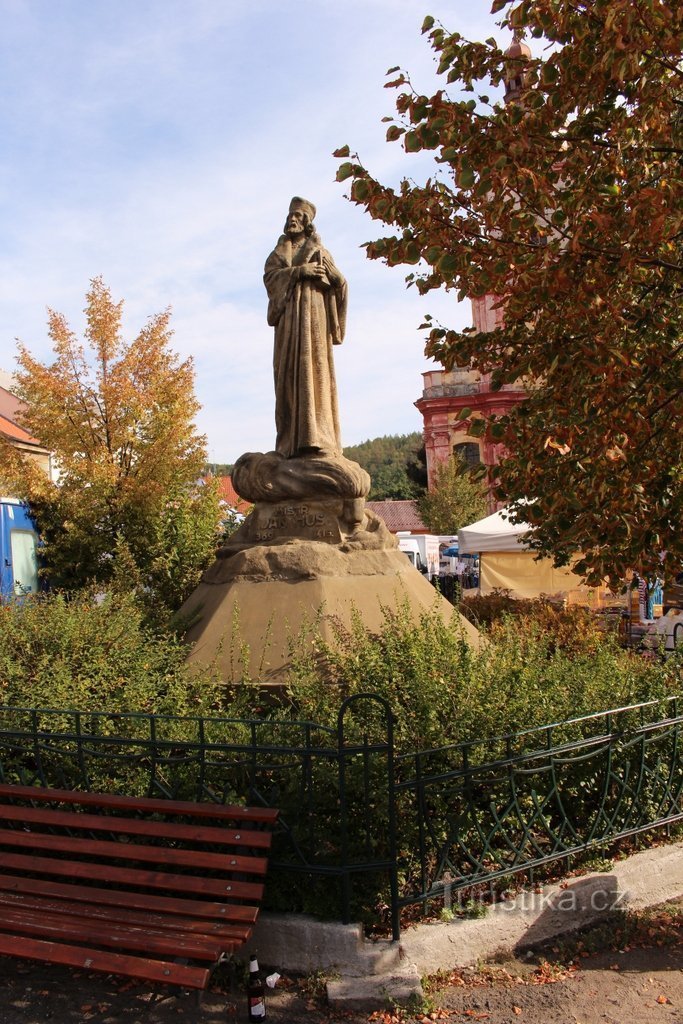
column 447, row 392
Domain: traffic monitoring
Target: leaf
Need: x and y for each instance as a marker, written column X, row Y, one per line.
column 344, row 171
column 549, row 74
column 427, row 24
column 447, row 264
column 360, row 190
column 341, row 152
column 465, row 178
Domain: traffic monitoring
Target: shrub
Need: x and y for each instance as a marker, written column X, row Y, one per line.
column 556, row 666
column 96, row 654
column 93, row 652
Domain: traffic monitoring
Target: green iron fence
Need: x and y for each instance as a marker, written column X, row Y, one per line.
column 361, row 823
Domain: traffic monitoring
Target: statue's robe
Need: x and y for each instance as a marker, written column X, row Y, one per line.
column 308, row 320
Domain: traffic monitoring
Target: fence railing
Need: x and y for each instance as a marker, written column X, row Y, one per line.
column 362, row 824
column 486, row 810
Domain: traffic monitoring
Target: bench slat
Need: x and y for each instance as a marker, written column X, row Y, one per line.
column 117, row 936
column 109, row 914
column 143, row 968
column 135, row 826
column 151, row 805
column 134, row 851
column 133, row 900
column 228, row 888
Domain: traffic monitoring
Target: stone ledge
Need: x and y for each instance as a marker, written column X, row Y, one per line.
column 300, row 943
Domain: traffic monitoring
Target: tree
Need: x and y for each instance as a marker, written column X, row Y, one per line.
column 456, row 500
column 120, row 425
column 566, row 205
column 395, row 462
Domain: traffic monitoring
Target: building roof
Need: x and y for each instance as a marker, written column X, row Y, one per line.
column 228, row 494
column 399, row 515
column 17, row 433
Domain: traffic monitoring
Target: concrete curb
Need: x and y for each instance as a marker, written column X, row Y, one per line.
column 298, row 943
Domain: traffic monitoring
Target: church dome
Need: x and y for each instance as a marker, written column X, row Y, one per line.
column 516, row 55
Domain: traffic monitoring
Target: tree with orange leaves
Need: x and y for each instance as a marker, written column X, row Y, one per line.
column 566, row 203
column 119, row 420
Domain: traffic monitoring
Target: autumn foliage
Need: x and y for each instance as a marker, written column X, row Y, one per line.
column 118, row 418
column 566, row 205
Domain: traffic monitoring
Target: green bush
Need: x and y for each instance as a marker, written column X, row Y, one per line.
column 528, row 673
column 94, row 652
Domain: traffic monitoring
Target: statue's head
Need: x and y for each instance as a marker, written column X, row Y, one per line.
column 300, row 217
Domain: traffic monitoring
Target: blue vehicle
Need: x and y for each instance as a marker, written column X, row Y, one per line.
column 18, row 550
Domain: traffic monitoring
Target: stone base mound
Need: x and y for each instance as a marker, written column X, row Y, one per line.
column 262, row 596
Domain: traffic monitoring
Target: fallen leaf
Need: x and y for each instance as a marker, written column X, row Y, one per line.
column 663, row 1000
column 517, row 1010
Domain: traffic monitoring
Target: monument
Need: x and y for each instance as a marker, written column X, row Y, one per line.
column 310, row 550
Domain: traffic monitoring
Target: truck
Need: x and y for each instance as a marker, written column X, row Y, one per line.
column 422, row 549
column 18, row 550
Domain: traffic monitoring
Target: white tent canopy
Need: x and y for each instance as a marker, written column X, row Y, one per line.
column 508, row 563
column 495, row 533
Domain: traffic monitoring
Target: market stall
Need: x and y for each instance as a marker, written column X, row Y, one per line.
column 507, row 562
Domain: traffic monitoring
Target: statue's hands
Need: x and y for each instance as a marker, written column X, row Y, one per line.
column 316, row 273
column 333, row 275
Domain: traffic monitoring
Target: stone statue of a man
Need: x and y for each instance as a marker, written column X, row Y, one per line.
column 307, row 307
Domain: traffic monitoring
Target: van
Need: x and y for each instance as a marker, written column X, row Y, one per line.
column 422, row 549
column 18, row 550
column 409, row 546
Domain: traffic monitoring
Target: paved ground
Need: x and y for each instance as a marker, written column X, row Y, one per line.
column 629, row 973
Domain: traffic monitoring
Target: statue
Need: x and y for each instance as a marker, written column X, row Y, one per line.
column 307, row 307
column 307, row 301
column 310, row 550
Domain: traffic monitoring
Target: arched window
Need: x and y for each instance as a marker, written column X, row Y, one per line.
column 469, row 452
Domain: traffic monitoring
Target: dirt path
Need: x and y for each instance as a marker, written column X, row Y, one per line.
column 628, row 973
column 640, row 987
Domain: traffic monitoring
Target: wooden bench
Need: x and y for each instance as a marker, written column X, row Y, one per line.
column 160, row 890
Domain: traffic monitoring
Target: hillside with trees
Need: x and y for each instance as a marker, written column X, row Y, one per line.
column 396, row 464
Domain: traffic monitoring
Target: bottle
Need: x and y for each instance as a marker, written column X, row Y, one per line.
column 256, row 994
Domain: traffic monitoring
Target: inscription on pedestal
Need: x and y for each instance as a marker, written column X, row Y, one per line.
column 305, row 520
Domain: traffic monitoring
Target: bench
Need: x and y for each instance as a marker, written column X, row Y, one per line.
column 155, row 889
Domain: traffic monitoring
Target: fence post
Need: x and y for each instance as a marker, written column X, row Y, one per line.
column 391, row 807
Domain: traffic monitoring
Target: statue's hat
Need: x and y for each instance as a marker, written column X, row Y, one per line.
column 303, row 206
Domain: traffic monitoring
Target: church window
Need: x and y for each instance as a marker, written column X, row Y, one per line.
column 469, row 452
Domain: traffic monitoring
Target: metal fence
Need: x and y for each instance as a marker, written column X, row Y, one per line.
column 361, row 824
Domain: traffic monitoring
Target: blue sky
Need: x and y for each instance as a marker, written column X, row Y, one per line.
column 157, row 143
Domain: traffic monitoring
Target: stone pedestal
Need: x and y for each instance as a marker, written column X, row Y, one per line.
column 300, row 564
